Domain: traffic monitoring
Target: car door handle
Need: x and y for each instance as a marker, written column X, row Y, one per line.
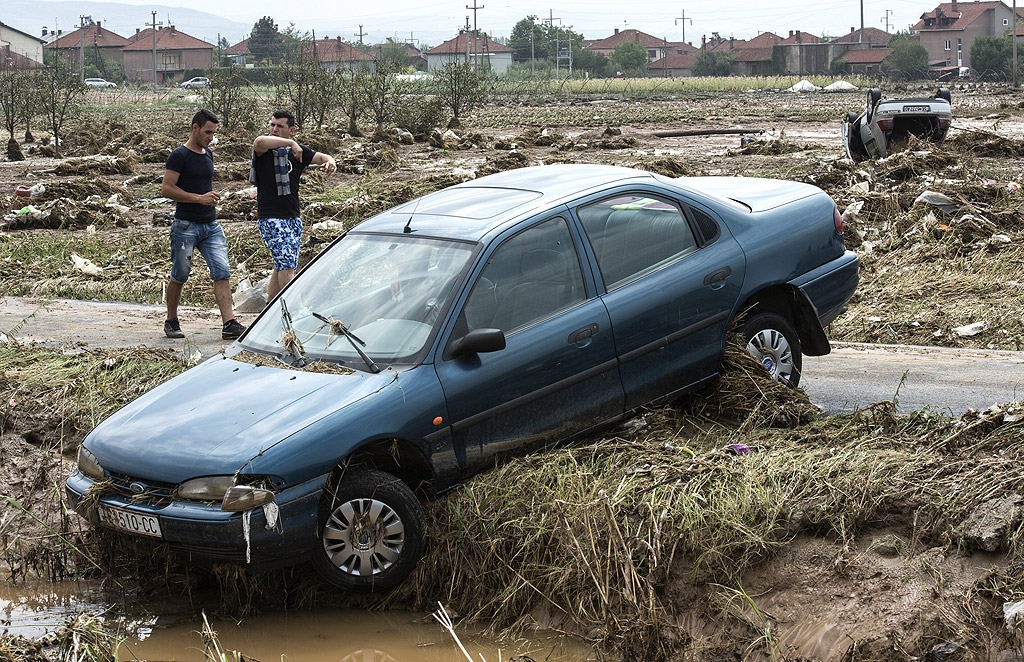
column 579, row 335
column 717, row 276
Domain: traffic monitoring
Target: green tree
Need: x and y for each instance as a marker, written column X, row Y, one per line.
column 908, row 60
column 394, row 54
column 229, row 98
column 529, row 40
column 596, row 64
column 265, row 40
column 992, row 57
column 630, row 58
column 712, row 63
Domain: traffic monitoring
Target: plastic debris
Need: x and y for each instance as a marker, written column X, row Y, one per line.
column 970, row 329
column 940, row 200
column 329, row 225
column 1013, row 613
column 804, row 86
column 737, row 449
column 85, row 266
column 250, row 297
column 840, row 86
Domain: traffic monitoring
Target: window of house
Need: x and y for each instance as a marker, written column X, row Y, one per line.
column 948, row 45
column 1006, row 21
column 634, row 234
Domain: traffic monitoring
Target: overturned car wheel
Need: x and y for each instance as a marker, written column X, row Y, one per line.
column 371, row 532
column 775, row 344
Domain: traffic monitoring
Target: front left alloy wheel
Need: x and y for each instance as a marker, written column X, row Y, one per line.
column 371, row 532
column 772, row 340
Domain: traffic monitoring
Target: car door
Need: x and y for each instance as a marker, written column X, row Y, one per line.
column 556, row 375
column 672, row 273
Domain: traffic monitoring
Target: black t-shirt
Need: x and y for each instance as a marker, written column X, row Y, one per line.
column 269, row 203
column 195, row 175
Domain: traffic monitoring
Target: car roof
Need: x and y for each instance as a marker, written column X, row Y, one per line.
column 473, row 209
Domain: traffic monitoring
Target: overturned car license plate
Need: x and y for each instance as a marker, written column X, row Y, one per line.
column 146, row 525
column 916, row 109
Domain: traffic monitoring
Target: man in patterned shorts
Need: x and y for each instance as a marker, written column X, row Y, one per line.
column 278, row 162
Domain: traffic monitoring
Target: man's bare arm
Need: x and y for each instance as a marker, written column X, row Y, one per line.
column 170, row 189
column 326, row 160
column 263, row 143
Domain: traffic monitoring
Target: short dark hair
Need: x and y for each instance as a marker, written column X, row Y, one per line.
column 203, row 116
column 285, row 115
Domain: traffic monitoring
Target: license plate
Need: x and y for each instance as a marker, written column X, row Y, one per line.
column 915, row 109
column 125, row 520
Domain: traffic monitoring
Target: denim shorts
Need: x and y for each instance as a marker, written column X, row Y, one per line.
column 209, row 238
column 282, row 236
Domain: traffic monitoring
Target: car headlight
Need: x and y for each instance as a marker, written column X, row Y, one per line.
column 207, row 488
column 240, row 498
column 89, row 465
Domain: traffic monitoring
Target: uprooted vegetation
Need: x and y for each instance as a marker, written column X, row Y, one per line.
column 727, row 522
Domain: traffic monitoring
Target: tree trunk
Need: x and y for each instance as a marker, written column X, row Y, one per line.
column 14, row 151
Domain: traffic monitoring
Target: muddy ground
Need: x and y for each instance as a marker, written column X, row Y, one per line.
column 888, row 588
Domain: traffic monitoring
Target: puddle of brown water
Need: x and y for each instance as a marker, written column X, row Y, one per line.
column 346, row 636
column 169, row 631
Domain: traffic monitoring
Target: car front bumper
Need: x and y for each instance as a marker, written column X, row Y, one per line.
column 205, row 533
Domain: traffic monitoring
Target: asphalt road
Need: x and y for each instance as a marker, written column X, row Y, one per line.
column 854, row 375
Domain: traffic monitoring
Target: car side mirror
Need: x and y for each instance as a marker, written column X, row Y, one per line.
column 478, row 341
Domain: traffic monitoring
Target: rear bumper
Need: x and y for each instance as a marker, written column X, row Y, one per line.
column 830, row 286
column 204, row 533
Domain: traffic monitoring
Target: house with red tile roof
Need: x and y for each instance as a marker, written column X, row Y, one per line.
column 949, row 30
column 656, row 47
column 175, row 52
column 474, row 49
column 413, row 56
column 801, row 37
column 865, row 60
column 674, row 65
column 871, row 36
column 335, row 54
column 238, row 54
column 72, row 45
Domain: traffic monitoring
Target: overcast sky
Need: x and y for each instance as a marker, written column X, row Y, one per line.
column 429, row 21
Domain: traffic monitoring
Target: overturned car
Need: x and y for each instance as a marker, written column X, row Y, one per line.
column 887, row 124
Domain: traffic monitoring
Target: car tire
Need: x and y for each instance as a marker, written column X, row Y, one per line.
column 371, row 531
column 874, row 96
column 851, row 118
column 771, row 339
column 943, row 93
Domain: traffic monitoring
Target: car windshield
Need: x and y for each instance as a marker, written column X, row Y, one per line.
column 369, row 299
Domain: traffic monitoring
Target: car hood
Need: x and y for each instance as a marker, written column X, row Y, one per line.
column 216, row 417
column 755, row 193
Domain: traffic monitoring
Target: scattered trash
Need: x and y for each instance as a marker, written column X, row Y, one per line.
column 970, row 329
column 737, row 449
column 1013, row 614
column 940, row 200
column 804, row 86
column 85, row 266
column 840, row 86
column 249, row 297
column 328, row 225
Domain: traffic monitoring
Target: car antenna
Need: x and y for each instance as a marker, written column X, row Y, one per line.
column 407, row 229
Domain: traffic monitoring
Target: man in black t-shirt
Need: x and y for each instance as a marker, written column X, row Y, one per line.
column 278, row 163
column 188, row 180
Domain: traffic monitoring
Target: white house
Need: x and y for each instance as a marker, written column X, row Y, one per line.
column 478, row 50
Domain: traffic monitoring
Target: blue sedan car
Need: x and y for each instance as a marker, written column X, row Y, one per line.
column 527, row 307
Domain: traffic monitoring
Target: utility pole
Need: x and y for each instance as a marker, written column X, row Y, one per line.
column 533, row 28
column 360, row 34
column 682, row 21
column 550, row 20
column 476, row 33
column 885, row 20
column 153, row 25
column 465, row 31
column 1013, row 38
column 81, row 44
column 861, row 39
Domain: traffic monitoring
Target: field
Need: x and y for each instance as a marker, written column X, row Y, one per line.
column 864, row 537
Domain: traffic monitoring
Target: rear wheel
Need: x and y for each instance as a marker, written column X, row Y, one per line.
column 943, row 93
column 874, row 96
column 772, row 340
column 371, row 531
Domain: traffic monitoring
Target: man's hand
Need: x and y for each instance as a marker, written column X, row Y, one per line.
column 209, row 198
column 330, row 167
column 296, row 151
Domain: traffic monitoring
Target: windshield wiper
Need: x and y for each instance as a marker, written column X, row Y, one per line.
column 339, row 327
column 291, row 342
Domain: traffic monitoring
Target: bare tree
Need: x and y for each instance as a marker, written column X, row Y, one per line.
column 296, row 83
column 229, row 97
column 352, row 94
column 379, row 94
column 12, row 91
column 59, row 92
column 460, row 88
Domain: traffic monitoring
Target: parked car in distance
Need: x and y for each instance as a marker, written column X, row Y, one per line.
column 432, row 340
column 196, row 83
column 99, row 82
column 887, row 124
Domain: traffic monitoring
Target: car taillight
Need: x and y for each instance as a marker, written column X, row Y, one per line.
column 943, row 124
column 838, row 219
column 885, row 125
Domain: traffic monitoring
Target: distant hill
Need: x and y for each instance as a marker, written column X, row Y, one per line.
column 30, row 16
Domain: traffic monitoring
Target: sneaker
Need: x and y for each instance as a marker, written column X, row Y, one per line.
column 172, row 329
column 232, row 330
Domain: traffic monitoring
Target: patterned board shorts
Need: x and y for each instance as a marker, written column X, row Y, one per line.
column 282, row 236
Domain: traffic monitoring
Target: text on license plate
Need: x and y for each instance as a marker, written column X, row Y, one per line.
column 915, row 109
column 125, row 520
